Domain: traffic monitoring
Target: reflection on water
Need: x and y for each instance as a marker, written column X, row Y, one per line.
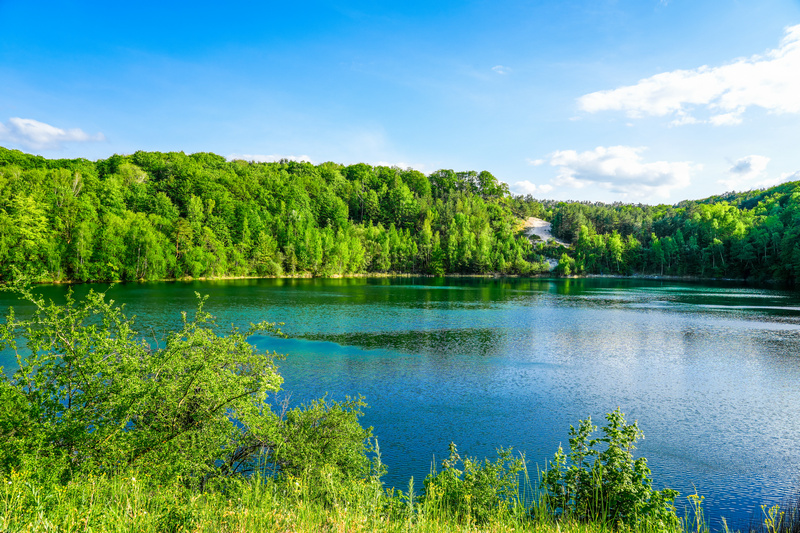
column 710, row 371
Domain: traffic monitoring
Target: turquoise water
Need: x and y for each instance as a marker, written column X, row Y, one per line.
column 711, row 372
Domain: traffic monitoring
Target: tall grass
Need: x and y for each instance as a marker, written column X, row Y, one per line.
column 135, row 503
column 784, row 518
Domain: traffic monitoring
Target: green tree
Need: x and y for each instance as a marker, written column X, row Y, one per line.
column 98, row 399
column 600, row 480
column 92, row 397
column 566, row 265
column 28, row 235
column 615, row 248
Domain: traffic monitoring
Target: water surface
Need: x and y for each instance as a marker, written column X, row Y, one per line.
column 711, row 372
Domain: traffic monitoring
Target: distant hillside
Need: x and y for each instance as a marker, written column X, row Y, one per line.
column 172, row 215
column 157, row 215
column 753, row 235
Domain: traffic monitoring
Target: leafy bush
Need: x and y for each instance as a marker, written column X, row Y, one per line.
column 600, row 480
column 478, row 492
column 91, row 396
column 325, row 433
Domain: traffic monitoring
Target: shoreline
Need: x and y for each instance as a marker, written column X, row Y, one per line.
column 378, row 275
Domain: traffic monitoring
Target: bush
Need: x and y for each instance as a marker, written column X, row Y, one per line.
column 91, row 396
column 478, row 492
column 600, row 481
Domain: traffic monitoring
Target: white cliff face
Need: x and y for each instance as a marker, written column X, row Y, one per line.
column 541, row 229
column 536, row 228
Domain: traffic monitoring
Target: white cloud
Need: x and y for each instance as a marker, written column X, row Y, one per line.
column 621, row 170
column 750, row 166
column 535, row 162
column 35, row 135
column 527, row 187
column 745, row 174
column 683, row 119
column 257, row 158
column 727, row 119
column 768, row 81
column 500, row 69
column 788, row 176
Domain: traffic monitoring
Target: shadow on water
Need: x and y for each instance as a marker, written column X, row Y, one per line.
column 441, row 342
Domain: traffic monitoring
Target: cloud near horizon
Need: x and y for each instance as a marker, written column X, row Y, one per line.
column 528, row 187
column 768, row 81
column 749, row 173
column 620, row 169
column 35, row 135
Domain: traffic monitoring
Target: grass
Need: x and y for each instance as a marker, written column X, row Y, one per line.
column 138, row 504
column 784, row 518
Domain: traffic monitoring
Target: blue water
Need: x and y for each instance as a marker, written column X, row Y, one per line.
column 711, row 372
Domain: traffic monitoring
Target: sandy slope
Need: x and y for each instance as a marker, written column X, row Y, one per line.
column 541, row 228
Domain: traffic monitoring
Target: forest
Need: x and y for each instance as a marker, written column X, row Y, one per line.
column 753, row 235
column 152, row 215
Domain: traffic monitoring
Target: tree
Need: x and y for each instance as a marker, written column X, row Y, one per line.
column 92, row 397
column 600, row 480
column 97, row 399
column 615, row 248
column 29, row 234
column 566, row 265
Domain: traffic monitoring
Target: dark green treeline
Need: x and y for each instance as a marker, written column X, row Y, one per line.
column 753, row 235
column 153, row 215
column 171, row 215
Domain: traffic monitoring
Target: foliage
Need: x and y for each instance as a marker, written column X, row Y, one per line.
column 565, row 266
column 91, row 396
column 753, row 235
column 157, row 215
column 154, row 215
column 476, row 492
column 600, row 480
column 325, row 433
column 135, row 502
column 325, row 442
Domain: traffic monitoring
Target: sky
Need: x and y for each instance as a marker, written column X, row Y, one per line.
column 637, row 101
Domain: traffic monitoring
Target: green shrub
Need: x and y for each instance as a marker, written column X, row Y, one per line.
column 476, row 493
column 600, row 480
column 92, row 396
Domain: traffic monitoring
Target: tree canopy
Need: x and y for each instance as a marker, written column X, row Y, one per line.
column 93, row 396
column 154, row 215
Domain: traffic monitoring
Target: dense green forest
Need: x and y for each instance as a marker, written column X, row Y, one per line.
column 752, row 235
column 157, row 215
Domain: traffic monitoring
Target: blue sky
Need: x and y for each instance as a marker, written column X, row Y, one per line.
column 649, row 101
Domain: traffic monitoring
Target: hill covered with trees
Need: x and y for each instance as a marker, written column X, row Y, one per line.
column 154, row 215
column 752, row 235
column 171, row 215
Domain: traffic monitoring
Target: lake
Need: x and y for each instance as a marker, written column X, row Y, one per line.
column 710, row 371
